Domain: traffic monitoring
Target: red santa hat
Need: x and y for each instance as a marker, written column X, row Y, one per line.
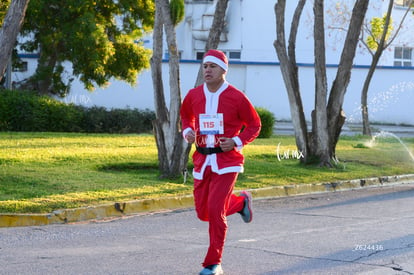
column 217, row 57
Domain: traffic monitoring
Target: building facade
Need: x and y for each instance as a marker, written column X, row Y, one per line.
column 248, row 42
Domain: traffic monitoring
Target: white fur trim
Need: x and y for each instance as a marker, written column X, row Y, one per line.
column 218, row 61
column 239, row 144
column 186, row 131
column 212, row 161
column 231, row 169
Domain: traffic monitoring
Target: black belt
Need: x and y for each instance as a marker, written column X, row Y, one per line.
column 209, row 151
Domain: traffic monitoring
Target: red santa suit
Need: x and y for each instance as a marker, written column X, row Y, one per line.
column 237, row 112
column 215, row 174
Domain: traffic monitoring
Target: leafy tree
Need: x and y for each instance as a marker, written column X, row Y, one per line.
column 11, row 23
column 99, row 38
column 379, row 38
column 327, row 117
column 377, row 30
column 177, row 9
column 380, row 35
column 4, row 5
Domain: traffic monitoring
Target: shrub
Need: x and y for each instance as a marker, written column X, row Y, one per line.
column 268, row 122
column 26, row 111
column 101, row 120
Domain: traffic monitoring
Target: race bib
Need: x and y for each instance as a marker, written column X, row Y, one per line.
column 211, row 124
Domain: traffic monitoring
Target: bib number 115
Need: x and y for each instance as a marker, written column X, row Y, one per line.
column 211, row 124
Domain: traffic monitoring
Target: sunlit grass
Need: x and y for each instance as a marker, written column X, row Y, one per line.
column 42, row 172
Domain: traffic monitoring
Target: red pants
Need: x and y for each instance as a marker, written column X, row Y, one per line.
column 214, row 200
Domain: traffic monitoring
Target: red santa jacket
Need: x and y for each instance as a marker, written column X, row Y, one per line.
column 238, row 113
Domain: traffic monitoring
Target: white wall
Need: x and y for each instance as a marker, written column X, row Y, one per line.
column 391, row 95
column 252, row 31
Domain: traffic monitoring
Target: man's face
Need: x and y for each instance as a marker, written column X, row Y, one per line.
column 213, row 73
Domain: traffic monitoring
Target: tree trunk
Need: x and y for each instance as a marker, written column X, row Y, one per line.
column 320, row 146
column 366, row 129
column 172, row 149
column 289, row 72
column 10, row 29
column 327, row 119
column 336, row 116
column 216, row 29
column 42, row 80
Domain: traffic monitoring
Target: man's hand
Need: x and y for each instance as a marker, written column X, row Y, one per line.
column 227, row 144
column 190, row 137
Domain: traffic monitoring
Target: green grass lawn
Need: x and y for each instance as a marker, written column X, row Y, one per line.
column 42, row 172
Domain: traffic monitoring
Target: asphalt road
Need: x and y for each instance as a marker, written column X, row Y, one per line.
column 365, row 231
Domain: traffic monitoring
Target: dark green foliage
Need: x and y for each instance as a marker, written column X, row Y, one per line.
column 268, row 122
column 26, row 111
column 101, row 40
column 4, row 5
column 360, row 145
column 101, row 120
column 177, row 11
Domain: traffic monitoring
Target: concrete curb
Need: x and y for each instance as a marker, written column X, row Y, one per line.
column 119, row 209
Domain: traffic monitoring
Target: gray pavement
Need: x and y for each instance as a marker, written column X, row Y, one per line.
column 363, row 231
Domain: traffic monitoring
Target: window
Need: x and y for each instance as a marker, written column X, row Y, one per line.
column 234, row 55
column 402, row 3
column 403, row 56
column 199, row 55
column 231, row 55
column 20, row 67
